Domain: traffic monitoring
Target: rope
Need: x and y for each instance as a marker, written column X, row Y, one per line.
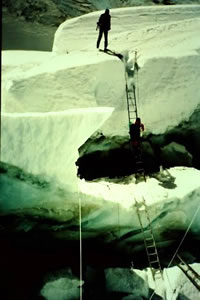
column 184, row 237
column 0, row 129
column 80, row 246
column 118, row 220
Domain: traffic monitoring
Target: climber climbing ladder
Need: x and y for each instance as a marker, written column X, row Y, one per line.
column 191, row 274
column 149, row 241
column 133, row 115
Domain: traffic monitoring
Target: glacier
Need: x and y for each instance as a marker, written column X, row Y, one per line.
column 52, row 102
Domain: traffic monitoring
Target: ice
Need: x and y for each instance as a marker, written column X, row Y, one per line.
column 167, row 44
column 61, row 82
column 46, row 144
column 63, row 286
column 52, row 102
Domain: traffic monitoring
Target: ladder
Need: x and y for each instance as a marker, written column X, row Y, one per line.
column 149, row 241
column 131, row 103
column 191, row 274
column 132, row 116
column 131, row 96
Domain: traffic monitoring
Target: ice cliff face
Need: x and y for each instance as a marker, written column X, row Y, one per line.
column 47, row 144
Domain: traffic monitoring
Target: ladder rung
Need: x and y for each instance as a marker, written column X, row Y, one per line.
column 149, row 239
column 147, row 230
column 151, row 254
column 151, row 246
column 154, row 261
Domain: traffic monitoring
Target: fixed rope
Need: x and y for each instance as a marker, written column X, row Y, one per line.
column 80, row 247
column 186, row 232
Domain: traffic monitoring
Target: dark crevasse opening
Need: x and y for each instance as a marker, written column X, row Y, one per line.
column 113, row 157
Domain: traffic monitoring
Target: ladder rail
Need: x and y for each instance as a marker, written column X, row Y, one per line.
column 189, row 267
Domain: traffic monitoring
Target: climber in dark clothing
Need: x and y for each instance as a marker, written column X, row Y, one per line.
column 104, row 26
column 135, row 130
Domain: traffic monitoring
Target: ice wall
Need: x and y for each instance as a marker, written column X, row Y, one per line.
column 46, row 144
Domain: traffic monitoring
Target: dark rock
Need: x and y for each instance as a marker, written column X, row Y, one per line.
column 151, row 162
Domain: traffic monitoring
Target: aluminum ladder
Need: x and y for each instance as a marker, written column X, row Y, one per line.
column 149, row 241
column 131, row 103
column 191, row 274
column 132, row 115
column 151, row 250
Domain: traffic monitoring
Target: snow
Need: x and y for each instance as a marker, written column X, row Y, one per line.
column 128, row 24
column 52, row 102
column 167, row 44
column 151, row 190
column 61, row 287
column 61, row 82
column 46, row 144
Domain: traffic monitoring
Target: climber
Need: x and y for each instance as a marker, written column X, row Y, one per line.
column 135, row 130
column 104, row 26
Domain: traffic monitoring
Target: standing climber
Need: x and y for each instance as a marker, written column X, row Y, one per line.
column 104, row 26
column 135, row 130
